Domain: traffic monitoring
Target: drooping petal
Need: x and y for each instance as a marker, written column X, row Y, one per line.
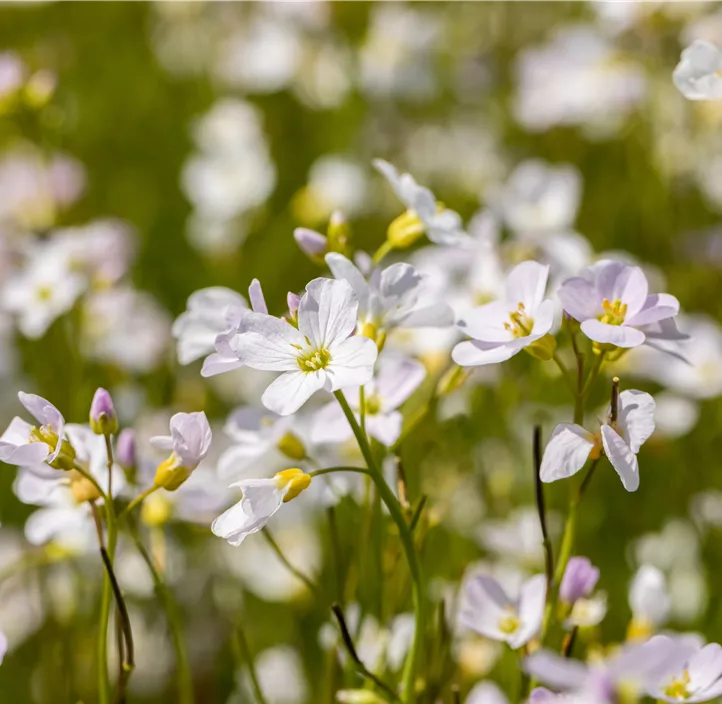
column 580, row 299
column 164, row 443
column 658, row 306
column 619, row 281
column 327, row 312
column 526, row 284
column 291, row 390
column 473, row 353
column 343, row 268
column 622, row 458
column 566, row 452
column 218, row 363
column 635, row 417
column 24, row 455
column 489, row 323
column 43, row 410
column 398, row 280
column 543, row 319
column 352, row 363
column 619, row 335
column 531, row 610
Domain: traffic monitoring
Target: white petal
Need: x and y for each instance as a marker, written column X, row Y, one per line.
column 619, row 335
column 484, row 603
column 543, row 319
column 555, row 670
column 635, row 417
column 526, row 284
column 24, row 455
column 487, row 323
column 619, row 281
column 472, row 353
column 659, row 306
column 352, row 363
column 566, row 452
column 385, row 427
column 397, row 379
column 579, row 299
column 218, row 363
column 705, row 667
column 486, row 693
column 436, row 315
column 329, row 425
column 43, row 410
column 343, row 268
column 291, row 390
column 622, row 458
column 531, row 610
column 272, row 348
column 255, row 295
column 327, row 312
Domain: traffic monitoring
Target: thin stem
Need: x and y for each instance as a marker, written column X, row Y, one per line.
column 91, row 479
column 362, row 408
column 593, row 374
column 332, row 470
column 568, row 643
column 184, row 676
column 565, row 373
column 360, row 666
column 241, row 644
column 455, row 694
column 541, row 507
column 417, row 513
column 138, row 500
column 407, row 541
column 336, row 553
column 286, row 563
column 382, row 251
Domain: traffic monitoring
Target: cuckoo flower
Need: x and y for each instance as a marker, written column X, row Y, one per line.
column 501, row 329
column 24, row 444
column 390, row 298
column 699, row 679
column 321, row 353
column 649, row 601
column 424, row 214
column 488, row 609
column 699, row 73
column 188, row 443
column 397, row 379
column 621, row 437
column 260, row 501
column 580, row 578
column 610, row 300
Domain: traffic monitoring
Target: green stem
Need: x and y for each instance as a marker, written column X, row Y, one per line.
column 593, row 375
column 138, row 500
column 332, row 470
column 87, row 475
column 183, row 674
column 241, row 645
column 407, row 541
column 382, row 251
column 286, row 562
column 565, row 373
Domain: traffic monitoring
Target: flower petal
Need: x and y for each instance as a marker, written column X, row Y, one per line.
column 385, row 427
column 555, row 670
column 255, row 295
column 291, row 390
column 343, row 268
column 531, row 610
column 487, row 323
column 622, row 458
column 473, row 353
column 566, row 452
column 486, row 693
column 658, row 306
column 397, row 379
column 526, row 284
column 635, row 417
column 329, row 425
column 484, row 605
column 705, row 667
column 580, row 299
column 274, row 347
column 619, row 335
column 327, row 312
column 352, row 363
column 543, row 319
column 616, row 280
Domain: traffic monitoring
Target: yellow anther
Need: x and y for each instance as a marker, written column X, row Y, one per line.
column 510, row 622
column 314, row 360
column 614, row 312
column 521, row 324
column 296, row 480
column 679, row 688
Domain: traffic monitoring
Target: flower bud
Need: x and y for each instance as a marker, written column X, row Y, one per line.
column 103, row 419
column 171, row 473
column 292, row 300
column 405, row 230
column 339, row 232
column 543, row 348
column 580, row 578
column 125, row 453
column 82, row 488
column 156, row 510
column 291, row 446
column 296, row 480
column 313, row 244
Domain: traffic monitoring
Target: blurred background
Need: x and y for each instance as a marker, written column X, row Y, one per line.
column 151, row 149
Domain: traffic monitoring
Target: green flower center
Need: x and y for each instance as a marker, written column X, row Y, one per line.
column 520, row 323
column 372, row 405
column 678, row 689
column 509, row 623
column 314, row 360
column 614, row 312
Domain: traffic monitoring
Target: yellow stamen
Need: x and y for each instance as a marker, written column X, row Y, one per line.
column 614, row 312
column 295, row 479
column 314, row 360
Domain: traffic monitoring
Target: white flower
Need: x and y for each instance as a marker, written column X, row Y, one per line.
column 571, row 445
column 699, row 72
column 648, row 597
column 320, row 354
column 23, row 444
column 486, row 693
column 392, row 297
column 3, row 647
column 488, row 609
column 261, row 499
column 442, row 226
column 501, row 329
column 610, row 300
column 397, row 379
column 188, row 443
column 209, row 312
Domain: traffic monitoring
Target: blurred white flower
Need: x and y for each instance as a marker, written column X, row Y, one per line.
column 674, row 416
column 486, row 693
column 335, row 182
column 699, row 72
column 649, row 598
column 280, row 675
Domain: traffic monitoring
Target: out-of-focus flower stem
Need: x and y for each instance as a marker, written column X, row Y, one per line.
column 243, row 652
column 387, row 496
column 183, row 673
column 138, row 500
column 382, row 251
column 287, row 563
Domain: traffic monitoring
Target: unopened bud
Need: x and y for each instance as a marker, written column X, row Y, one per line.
column 405, row 230
column 125, row 453
column 339, row 232
column 543, row 348
column 82, row 488
column 292, row 446
column 313, row 244
column 103, row 419
column 294, row 481
column 171, row 474
column 156, row 510
column 580, row 578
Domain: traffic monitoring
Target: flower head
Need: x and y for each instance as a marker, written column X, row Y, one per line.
column 103, row 419
column 424, row 214
column 188, row 443
column 488, row 609
column 699, row 72
column 620, row 436
column 260, row 501
column 649, row 600
column 501, row 329
column 322, row 353
column 580, row 578
column 610, row 300
column 25, row 445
